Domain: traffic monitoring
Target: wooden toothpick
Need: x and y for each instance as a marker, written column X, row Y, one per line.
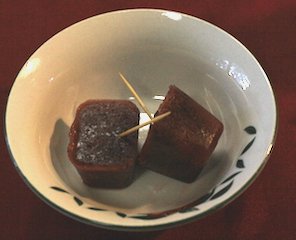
column 136, row 95
column 153, row 120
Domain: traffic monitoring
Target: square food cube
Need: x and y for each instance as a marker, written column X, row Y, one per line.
column 179, row 145
column 101, row 157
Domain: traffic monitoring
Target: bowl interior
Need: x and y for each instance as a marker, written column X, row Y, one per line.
column 153, row 49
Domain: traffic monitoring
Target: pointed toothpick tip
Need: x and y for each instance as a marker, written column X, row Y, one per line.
column 136, row 95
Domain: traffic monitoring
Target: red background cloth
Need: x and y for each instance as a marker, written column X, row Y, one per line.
column 267, row 210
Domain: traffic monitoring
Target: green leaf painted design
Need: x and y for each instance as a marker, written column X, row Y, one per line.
column 123, row 215
column 231, row 177
column 205, row 197
column 186, row 210
column 96, row 209
column 146, row 217
column 222, row 191
column 248, row 146
column 78, row 201
column 250, row 130
column 240, row 163
column 58, row 189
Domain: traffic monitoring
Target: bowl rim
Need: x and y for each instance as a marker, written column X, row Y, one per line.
column 176, row 222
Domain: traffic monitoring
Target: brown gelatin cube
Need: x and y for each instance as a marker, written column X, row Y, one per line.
column 179, row 145
column 102, row 158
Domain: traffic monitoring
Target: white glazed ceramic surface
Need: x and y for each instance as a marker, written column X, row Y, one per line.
column 153, row 49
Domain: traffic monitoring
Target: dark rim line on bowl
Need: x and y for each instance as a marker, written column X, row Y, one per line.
column 164, row 225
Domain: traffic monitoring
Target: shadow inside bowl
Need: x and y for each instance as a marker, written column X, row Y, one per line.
column 150, row 191
column 58, row 151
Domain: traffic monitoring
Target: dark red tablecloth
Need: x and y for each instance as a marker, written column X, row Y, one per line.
column 267, row 210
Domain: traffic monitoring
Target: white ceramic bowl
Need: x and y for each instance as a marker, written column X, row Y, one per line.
column 153, row 49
